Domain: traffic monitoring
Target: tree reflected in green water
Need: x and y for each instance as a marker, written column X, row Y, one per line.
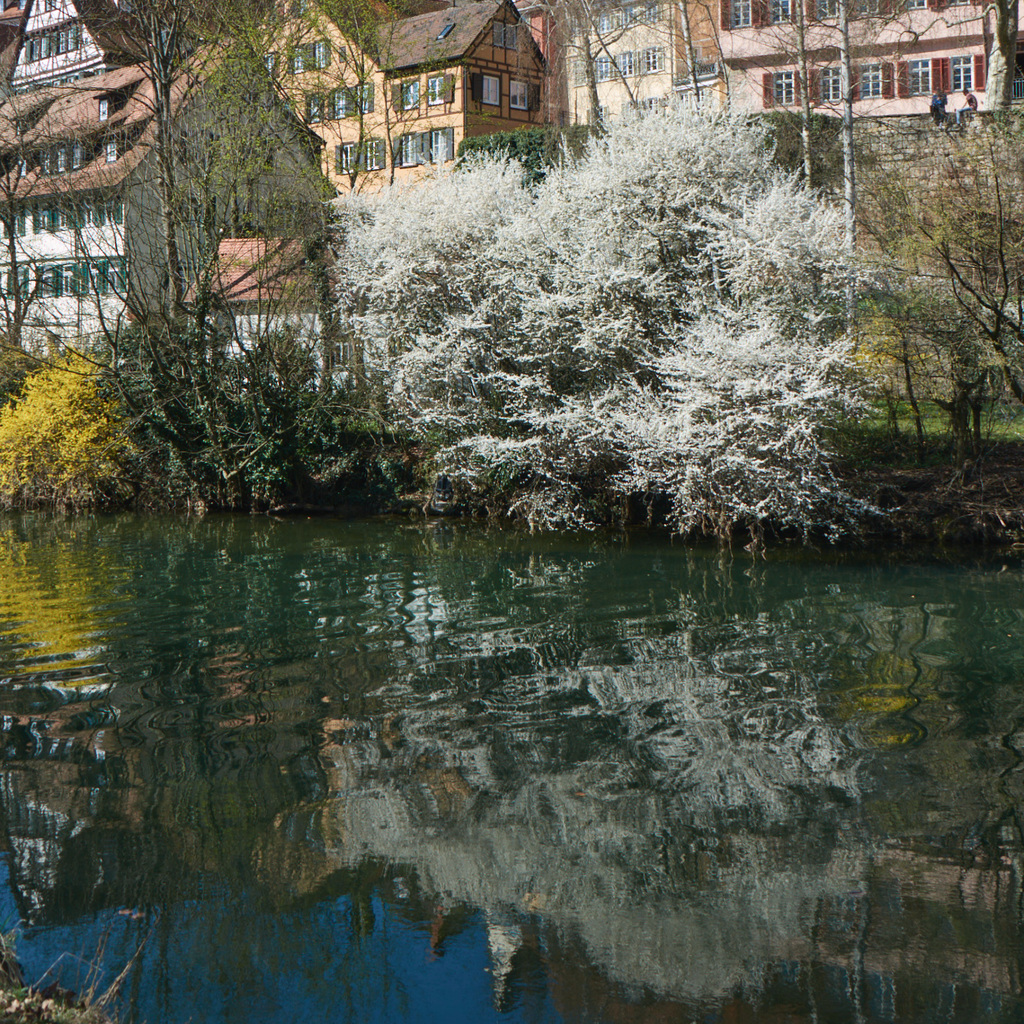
column 346, row 769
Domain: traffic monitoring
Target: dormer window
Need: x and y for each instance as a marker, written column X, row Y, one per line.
column 104, row 109
column 446, row 30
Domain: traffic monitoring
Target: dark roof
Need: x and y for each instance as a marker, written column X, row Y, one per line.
column 411, row 41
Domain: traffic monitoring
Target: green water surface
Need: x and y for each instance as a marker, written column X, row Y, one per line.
column 330, row 771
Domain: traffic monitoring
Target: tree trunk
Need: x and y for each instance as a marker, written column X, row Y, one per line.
column 691, row 53
column 849, row 168
column 1002, row 59
column 805, row 90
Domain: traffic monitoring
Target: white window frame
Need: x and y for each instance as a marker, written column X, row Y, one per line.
column 104, row 109
column 830, row 85
column 780, row 11
column 346, row 157
column 411, row 94
column 321, row 53
column 439, row 138
column 827, row 9
column 919, row 77
column 652, row 61
column 870, row 76
column 62, row 160
column 784, row 88
column 602, row 69
column 626, row 63
column 518, row 93
column 374, row 155
column 490, row 90
column 739, row 14
column 111, row 151
column 961, row 73
column 435, row 90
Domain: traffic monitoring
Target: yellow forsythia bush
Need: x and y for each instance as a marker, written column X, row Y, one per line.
column 59, row 439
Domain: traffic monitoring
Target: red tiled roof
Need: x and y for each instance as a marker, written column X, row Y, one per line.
column 261, row 270
column 412, row 41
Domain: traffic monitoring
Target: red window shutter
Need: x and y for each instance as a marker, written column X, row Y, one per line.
column 934, row 5
column 886, row 81
column 449, row 88
column 726, row 10
column 768, row 89
column 811, row 10
column 979, row 71
column 758, row 13
column 903, row 79
column 814, row 86
column 940, row 73
column 796, row 86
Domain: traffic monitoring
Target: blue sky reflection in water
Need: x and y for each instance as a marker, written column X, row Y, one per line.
column 393, row 772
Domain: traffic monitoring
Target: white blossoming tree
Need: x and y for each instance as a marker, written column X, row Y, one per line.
column 660, row 320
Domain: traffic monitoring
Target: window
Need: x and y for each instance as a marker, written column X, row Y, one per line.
column 603, row 69
column 411, row 95
column 344, row 158
column 920, row 77
column 828, row 9
column 626, row 63
column 606, row 22
column 104, row 109
column 962, row 70
column 648, row 13
column 830, row 84
column 780, row 10
column 870, row 81
column 784, row 88
column 504, row 35
column 314, row 108
column 366, row 94
column 442, row 145
column 111, row 151
column 446, row 30
column 491, row 90
column 517, row 95
column 652, row 61
column 321, row 53
column 373, row 155
column 341, row 103
column 46, row 162
column 740, row 13
column 868, row 7
column 410, row 150
column 915, row 5
column 435, row 90
column 62, row 160
column 270, row 62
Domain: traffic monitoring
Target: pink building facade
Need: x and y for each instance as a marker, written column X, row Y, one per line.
column 901, row 54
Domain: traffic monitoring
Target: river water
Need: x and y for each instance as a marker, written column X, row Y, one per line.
column 267, row 771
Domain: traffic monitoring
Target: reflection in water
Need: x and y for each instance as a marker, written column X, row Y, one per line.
column 382, row 772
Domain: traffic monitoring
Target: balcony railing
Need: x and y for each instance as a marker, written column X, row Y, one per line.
column 706, row 69
column 1018, row 88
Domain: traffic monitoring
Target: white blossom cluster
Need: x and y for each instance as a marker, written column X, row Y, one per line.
column 660, row 318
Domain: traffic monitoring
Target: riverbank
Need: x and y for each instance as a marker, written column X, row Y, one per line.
column 982, row 504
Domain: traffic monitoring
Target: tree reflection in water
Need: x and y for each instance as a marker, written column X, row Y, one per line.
column 341, row 769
